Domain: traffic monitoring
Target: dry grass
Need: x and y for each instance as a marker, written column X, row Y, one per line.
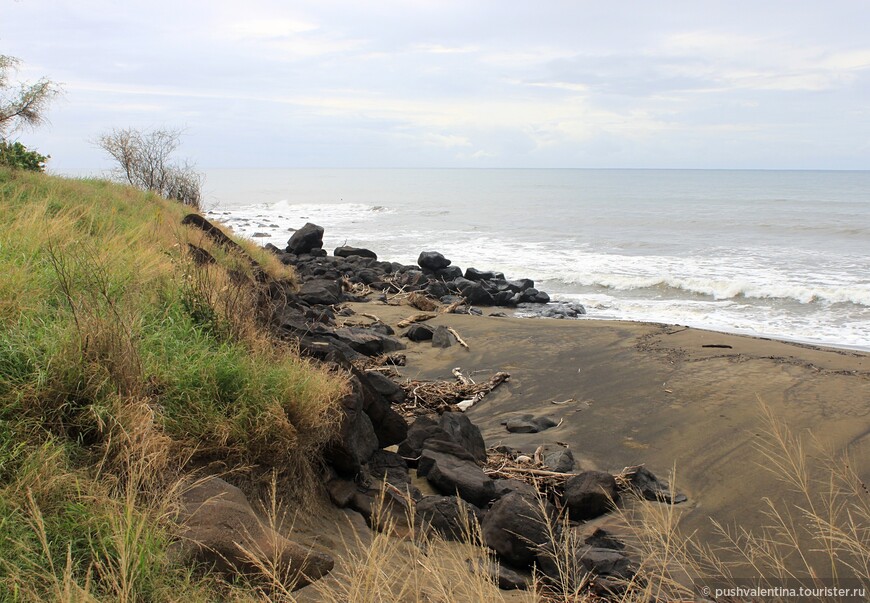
column 822, row 542
column 121, row 361
column 415, row 567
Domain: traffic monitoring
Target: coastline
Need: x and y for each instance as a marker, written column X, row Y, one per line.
column 661, row 395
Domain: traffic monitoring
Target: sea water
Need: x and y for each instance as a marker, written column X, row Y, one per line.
column 782, row 254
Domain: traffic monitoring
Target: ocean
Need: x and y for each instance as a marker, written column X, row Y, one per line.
column 780, row 254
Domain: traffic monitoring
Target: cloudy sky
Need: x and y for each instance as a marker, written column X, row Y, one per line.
column 443, row 83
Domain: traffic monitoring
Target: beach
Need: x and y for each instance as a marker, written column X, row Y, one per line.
column 666, row 396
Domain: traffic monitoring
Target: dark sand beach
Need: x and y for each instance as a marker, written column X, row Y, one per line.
column 662, row 395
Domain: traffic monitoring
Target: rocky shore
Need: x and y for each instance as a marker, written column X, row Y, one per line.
column 388, row 447
column 533, row 450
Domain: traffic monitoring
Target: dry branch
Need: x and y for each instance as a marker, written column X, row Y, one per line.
column 522, row 468
column 449, row 309
column 458, row 338
column 424, row 397
column 423, row 302
column 406, row 322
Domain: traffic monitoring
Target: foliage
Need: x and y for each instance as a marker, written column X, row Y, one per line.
column 144, row 160
column 17, row 156
column 25, row 105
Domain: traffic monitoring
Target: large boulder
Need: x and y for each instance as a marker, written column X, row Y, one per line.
column 345, row 251
column 571, row 567
column 356, row 441
column 367, row 341
column 389, row 426
column 450, row 475
column 418, row 332
column 465, row 433
column 432, row 260
column 447, row 446
column 454, row 435
column 473, row 274
column 448, row 274
column 222, row 530
column 385, row 387
column 503, row 487
column 306, row 239
column 422, row 429
column 519, row 285
column 451, row 517
column 323, row 292
column 518, row 527
column 590, row 494
column 473, row 292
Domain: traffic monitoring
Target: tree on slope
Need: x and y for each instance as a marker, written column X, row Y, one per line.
column 144, row 160
column 22, row 105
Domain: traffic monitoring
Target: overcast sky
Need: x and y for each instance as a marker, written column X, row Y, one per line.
column 443, row 83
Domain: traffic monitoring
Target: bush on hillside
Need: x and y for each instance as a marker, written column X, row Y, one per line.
column 144, row 160
column 17, row 156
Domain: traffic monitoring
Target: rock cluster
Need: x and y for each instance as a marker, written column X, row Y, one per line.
column 434, row 274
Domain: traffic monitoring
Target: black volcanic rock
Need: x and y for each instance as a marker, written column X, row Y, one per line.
column 590, row 494
column 306, row 239
column 346, row 251
column 418, row 332
column 448, row 516
column 325, row 292
column 432, row 260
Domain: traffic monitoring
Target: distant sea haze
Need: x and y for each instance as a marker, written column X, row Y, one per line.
column 782, row 254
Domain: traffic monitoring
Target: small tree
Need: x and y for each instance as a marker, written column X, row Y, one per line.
column 20, row 106
column 144, row 161
column 24, row 105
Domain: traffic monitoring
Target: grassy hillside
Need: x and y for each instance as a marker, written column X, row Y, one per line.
column 121, row 363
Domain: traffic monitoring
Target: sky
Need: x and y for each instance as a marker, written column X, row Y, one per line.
column 762, row 84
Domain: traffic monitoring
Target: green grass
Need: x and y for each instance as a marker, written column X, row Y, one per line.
column 121, row 365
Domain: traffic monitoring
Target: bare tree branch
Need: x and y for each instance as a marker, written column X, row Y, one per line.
column 25, row 106
column 144, row 161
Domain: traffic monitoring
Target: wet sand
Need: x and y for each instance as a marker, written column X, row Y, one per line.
column 662, row 395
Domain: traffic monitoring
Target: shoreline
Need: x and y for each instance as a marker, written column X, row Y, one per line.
column 665, row 396
column 846, row 348
column 701, row 409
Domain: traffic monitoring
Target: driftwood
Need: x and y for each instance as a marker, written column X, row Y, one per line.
column 423, row 397
column 406, row 322
column 449, row 309
column 526, row 469
column 422, row 302
column 458, row 338
column 457, row 372
column 384, row 363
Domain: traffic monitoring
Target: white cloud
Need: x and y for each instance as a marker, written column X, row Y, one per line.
column 268, row 28
column 446, row 140
column 441, row 49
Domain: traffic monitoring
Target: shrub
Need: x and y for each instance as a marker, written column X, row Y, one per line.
column 17, row 156
column 144, row 161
